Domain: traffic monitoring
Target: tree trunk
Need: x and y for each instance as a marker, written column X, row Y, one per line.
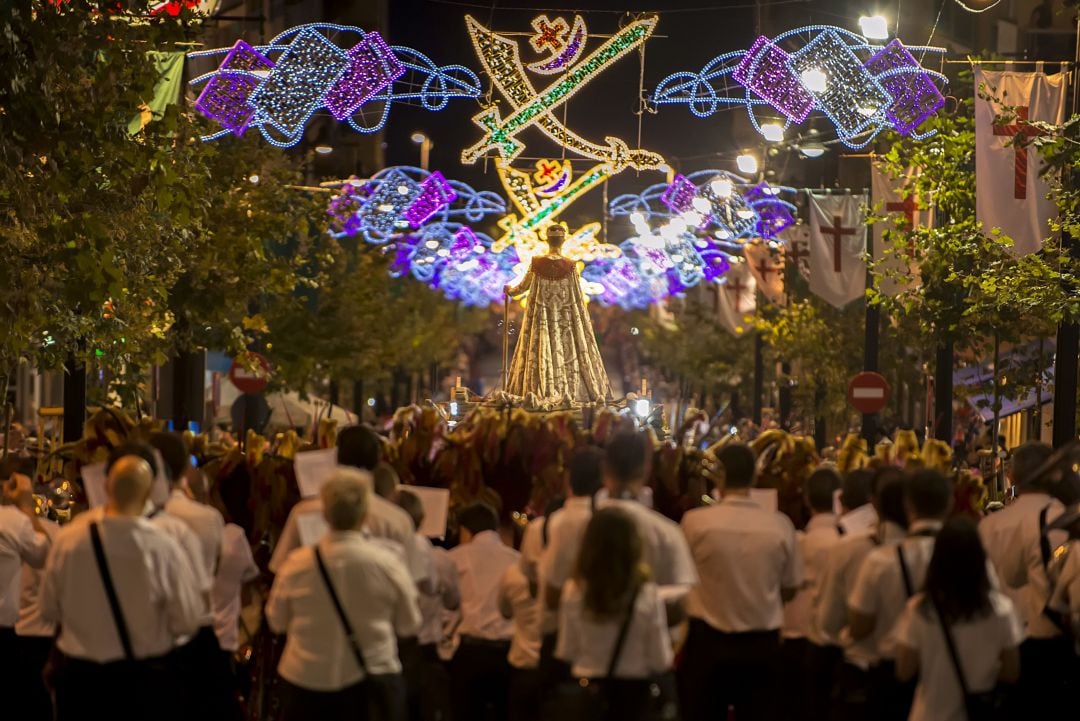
column 74, row 399
column 1065, row 369
column 943, row 392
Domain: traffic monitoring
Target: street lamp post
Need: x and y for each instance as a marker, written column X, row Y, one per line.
column 425, row 148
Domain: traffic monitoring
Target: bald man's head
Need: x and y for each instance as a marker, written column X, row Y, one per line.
column 128, row 485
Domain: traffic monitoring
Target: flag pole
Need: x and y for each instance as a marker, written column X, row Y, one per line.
column 506, row 337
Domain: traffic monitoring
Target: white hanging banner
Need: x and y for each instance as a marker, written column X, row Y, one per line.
column 1011, row 195
column 767, row 270
column 736, row 298
column 888, row 196
column 796, row 239
column 837, row 248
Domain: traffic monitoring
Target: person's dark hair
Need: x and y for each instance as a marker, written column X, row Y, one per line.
column 956, row 579
column 385, row 480
column 890, row 497
column 555, row 237
column 586, row 471
column 478, row 517
column 626, row 457
column 174, row 452
column 738, row 462
column 820, row 488
column 610, row 566
column 1026, row 460
column 928, row 492
column 884, row 476
column 411, row 504
column 132, row 448
column 856, row 488
column 359, row 447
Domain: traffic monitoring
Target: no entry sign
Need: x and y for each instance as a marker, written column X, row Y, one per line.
column 868, row 392
column 248, row 381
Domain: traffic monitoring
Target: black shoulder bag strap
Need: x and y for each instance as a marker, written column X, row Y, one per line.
column 110, row 592
column 1044, row 542
column 1044, row 549
column 951, row 644
column 349, row 634
column 620, row 641
column 904, row 571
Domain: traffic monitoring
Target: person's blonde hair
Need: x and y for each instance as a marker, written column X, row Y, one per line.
column 345, row 496
column 611, row 566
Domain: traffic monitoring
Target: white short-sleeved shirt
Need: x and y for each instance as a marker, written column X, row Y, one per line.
column 516, row 598
column 744, row 554
column 154, row 582
column 879, row 589
column 532, row 547
column 442, row 597
column 587, row 644
column 204, row 521
column 376, row 592
column 566, row 528
column 236, row 568
column 1011, row 538
column 480, row 566
column 842, row 566
column 30, row 622
column 814, row 543
column 979, row 644
column 19, row 544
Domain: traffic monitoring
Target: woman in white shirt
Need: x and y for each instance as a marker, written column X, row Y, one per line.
column 983, row 623
column 610, row 576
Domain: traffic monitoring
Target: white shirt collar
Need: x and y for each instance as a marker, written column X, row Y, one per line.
column 924, row 525
column 821, row 520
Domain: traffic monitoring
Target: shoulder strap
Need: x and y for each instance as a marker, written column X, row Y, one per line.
column 1044, row 541
column 349, row 634
column 1044, row 549
column 110, row 592
column 904, row 571
column 544, row 531
column 623, row 630
column 951, row 645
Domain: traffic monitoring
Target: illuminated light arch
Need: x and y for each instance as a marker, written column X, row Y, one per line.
column 862, row 88
column 279, row 86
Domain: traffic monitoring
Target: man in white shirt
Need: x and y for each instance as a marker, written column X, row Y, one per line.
column 1020, row 551
column 889, row 576
column 480, row 670
column 809, row 657
column 24, row 542
column 110, row 670
column 322, row 677
column 749, row 565
column 842, row 564
column 205, row 521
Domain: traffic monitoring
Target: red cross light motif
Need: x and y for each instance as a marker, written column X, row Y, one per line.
column 550, row 33
column 763, row 268
column 1020, row 154
column 837, row 231
column 547, row 170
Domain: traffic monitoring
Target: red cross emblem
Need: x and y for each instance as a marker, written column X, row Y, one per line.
column 908, row 208
column 1020, row 154
column 837, row 231
column 550, row 33
column 737, row 286
column 547, row 170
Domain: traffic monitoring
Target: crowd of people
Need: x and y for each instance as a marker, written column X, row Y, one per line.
column 885, row 606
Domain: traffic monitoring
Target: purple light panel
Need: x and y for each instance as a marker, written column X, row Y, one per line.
column 225, row 97
column 765, row 70
column 679, row 196
column 772, row 215
column 308, row 68
column 435, row 194
column 373, row 66
column 915, row 96
column 852, row 99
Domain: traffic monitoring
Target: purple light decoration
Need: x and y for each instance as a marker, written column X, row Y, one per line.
column 772, row 215
column 465, row 245
column 343, row 208
column 225, row 97
column 308, row 68
column 435, row 194
column 765, row 70
column 915, row 96
column 852, row 98
column 679, row 196
column 716, row 264
column 380, row 217
column 569, row 54
column 373, row 66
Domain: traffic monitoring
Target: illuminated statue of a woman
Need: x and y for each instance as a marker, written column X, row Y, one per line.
column 556, row 358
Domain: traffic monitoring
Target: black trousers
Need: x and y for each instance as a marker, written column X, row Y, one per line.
column 9, row 670
column 890, row 698
column 211, row 689
column 1048, row 677
column 302, row 704
column 434, row 696
column 119, row 691
column 822, row 664
column 526, row 694
column 729, row 669
column 32, row 701
column 481, row 680
column 851, row 698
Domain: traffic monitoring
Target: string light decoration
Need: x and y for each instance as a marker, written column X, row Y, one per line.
column 401, row 199
column 565, row 46
column 501, row 58
column 862, row 88
column 352, row 75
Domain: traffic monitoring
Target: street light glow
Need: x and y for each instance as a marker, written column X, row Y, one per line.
column 747, row 163
column 874, row 27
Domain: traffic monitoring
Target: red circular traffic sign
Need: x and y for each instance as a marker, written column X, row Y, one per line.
column 251, row 381
column 868, row 392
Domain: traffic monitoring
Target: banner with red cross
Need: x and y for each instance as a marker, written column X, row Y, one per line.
column 837, row 247
column 767, row 268
column 796, row 239
column 1010, row 195
column 895, row 199
column 736, row 298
